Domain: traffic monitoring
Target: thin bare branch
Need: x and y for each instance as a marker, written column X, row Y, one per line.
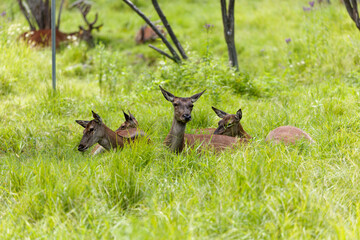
column 147, row 20
column 59, row 15
column 162, row 52
column 169, row 29
column 26, row 14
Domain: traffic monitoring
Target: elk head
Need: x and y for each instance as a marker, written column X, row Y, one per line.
column 93, row 132
column 85, row 33
column 230, row 125
column 130, row 122
column 182, row 106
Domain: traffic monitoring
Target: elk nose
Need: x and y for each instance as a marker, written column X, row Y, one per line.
column 81, row 148
column 187, row 117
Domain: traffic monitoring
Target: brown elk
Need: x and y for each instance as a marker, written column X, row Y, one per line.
column 288, row 135
column 229, row 125
column 147, row 34
column 127, row 129
column 97, row 132
column 42, row 37
column 176, row 139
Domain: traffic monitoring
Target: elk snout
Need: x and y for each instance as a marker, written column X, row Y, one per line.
column 81, row 148
column 187, row 117
column 220, row 130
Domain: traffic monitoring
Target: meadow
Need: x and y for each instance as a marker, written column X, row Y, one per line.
column 49, row 190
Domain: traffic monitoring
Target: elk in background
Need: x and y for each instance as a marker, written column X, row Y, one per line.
column 177, row 139
column 97, row 132
column 40, row 14
column 147, row 34
column 288, row 135
column 174, row 55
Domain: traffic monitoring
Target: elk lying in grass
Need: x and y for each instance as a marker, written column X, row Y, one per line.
column 288, row 135
column 176, row 139
column 147, row 34
column 127, row 129
column 229, row 125
column 97, row 132
column 42, row 37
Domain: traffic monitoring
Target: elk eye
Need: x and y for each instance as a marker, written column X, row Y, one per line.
column 91, row 129
column 176, row 104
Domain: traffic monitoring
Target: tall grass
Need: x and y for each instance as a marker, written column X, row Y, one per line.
column 260, row 191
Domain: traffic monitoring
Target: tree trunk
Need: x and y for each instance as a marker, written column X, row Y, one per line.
column 229, row 31
column 352, row 8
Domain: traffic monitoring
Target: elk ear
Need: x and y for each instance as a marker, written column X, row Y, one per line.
column 127, row 117
column 168, row 96
column 131, row 116
column 96, row 117
column 82, row 123
column 221, row 114
column 195, row 97
column 239, row 114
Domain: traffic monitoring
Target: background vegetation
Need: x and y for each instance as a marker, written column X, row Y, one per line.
column 50, row 190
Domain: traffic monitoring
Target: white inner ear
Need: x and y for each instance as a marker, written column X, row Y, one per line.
column 195, row 99
column 220, row 113
column 171, row 99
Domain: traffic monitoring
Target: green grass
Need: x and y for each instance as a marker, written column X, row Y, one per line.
column 50, row 190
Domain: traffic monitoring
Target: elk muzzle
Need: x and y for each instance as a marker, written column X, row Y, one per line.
column 82, row 148
column 220, row 130
column 186, row 117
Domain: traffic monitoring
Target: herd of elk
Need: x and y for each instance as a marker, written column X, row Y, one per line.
column 229, row 134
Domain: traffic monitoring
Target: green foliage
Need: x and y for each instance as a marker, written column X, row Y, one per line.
column 260, row 191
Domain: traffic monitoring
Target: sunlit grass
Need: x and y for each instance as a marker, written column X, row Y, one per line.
column 260, row 191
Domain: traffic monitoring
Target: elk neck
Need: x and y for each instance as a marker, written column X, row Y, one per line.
column 175, row 139
column 110, row 139
column 242, row 132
